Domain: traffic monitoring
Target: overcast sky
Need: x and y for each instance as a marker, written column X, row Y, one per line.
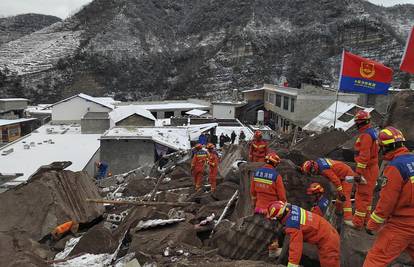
column 64, row 8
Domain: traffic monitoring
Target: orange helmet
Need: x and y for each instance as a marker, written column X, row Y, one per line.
column 198, row 146
column 273, row 159
column 210, row 146
column 258, row 134
column 276, row 209
column 390, row 135
column 310, row 167
column 315, row 188
column 362, row 115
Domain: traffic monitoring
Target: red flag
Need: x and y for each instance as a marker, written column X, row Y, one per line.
column 407, row 63
column 363, row 75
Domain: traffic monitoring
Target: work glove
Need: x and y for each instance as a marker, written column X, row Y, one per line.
column 370, row 232
column 341, row 196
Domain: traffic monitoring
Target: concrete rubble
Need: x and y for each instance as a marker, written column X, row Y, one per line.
column 153, row 217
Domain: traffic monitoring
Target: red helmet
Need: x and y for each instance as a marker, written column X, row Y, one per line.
column 210, row 146
column 276, row 209
column 198, row 146
column 310, row 167
column 315, row 188
column 258, row 134
column 362, row 115
column 273, row 159
column 390, row 135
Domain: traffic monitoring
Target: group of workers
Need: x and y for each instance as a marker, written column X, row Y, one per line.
column 393, row 217
column 202, row 158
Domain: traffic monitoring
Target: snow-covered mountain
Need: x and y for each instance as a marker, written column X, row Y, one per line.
column 180, row 48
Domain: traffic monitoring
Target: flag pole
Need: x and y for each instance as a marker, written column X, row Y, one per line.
column 337, row 91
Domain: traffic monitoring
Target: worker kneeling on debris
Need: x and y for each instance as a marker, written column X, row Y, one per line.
column 304, row 226
column 336, row 172
column 63, row 229
column 395, row 208
column 320, row 203
column 198, row 163
column 267, row 185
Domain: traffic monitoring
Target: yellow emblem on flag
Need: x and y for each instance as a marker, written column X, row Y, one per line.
column 367, row 70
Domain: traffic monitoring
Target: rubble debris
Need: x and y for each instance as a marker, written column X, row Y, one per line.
column 232, row 154
column 62, row 192
column 154, row 223
column 401, row 114
column 225, row 190
column 231, row 201
column 138, row 203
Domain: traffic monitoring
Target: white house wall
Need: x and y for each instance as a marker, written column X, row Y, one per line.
column 224, row 112
column 74, row 109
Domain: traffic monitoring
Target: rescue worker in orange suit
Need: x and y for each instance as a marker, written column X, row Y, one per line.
column 366, row 159
column 304, row 226
column 198, row 163
column 61, row 230
column 395, row 208
column 267, row 185
column 335, row 172
column 213, row 162
column 320, row 203
column 258, row 148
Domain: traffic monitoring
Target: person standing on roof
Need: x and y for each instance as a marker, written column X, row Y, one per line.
column 102, row 169
column 395, row 208
column 258, row 148
column 213, row 162
column 202, row 139
column 335, row 171
column 198, row 163
column 222, row 140
column 267, row 185
column 366, row 158
column 233, row 137
column 320, row 203
column 242, row 136
column 304, row 226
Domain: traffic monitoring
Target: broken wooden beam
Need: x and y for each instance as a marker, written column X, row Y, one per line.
column 139, row 203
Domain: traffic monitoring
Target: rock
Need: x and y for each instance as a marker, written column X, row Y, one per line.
column 225, row 190
column 48, row 200
column 154, row 241
column 139, row 187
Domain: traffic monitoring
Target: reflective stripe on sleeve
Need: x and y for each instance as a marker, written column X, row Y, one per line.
column 360, row 214
column 292, row 265
column 377, row 218
column 339, row 188
column 361, row 165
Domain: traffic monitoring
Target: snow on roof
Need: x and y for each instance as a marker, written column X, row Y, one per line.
column 10, row 122
column 253, row 90
column 177, row 138
column 196, row 112
column 172, row 106
column 326, row 118
column 96, row 100
column 228, row 130
column 163, row 122
column 48, row 144
column 39, row 109
column 123, row 112
column 108, row 100
column 13, row 99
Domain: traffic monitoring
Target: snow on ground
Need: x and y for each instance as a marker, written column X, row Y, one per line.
column 90, row 260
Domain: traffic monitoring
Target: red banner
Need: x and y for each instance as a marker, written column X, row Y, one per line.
column 407, row 63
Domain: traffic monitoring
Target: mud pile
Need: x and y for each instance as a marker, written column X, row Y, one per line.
column 401, row 114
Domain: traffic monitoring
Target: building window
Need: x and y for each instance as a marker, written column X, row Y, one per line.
column 272, row 98
column 286, row 103
column 169, row 114
column 267, row 97
column 154, row 113
column 278, row 101
column 292, row 105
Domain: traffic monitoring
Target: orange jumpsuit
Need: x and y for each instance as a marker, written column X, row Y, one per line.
column 395, row 208
column 266, row 187
column 336, row 171
column 63, row 228
column 366, row 158
column 200, row 159
column 258, row 151
column 213, row 161
column 305, row 226
column 320, row 206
